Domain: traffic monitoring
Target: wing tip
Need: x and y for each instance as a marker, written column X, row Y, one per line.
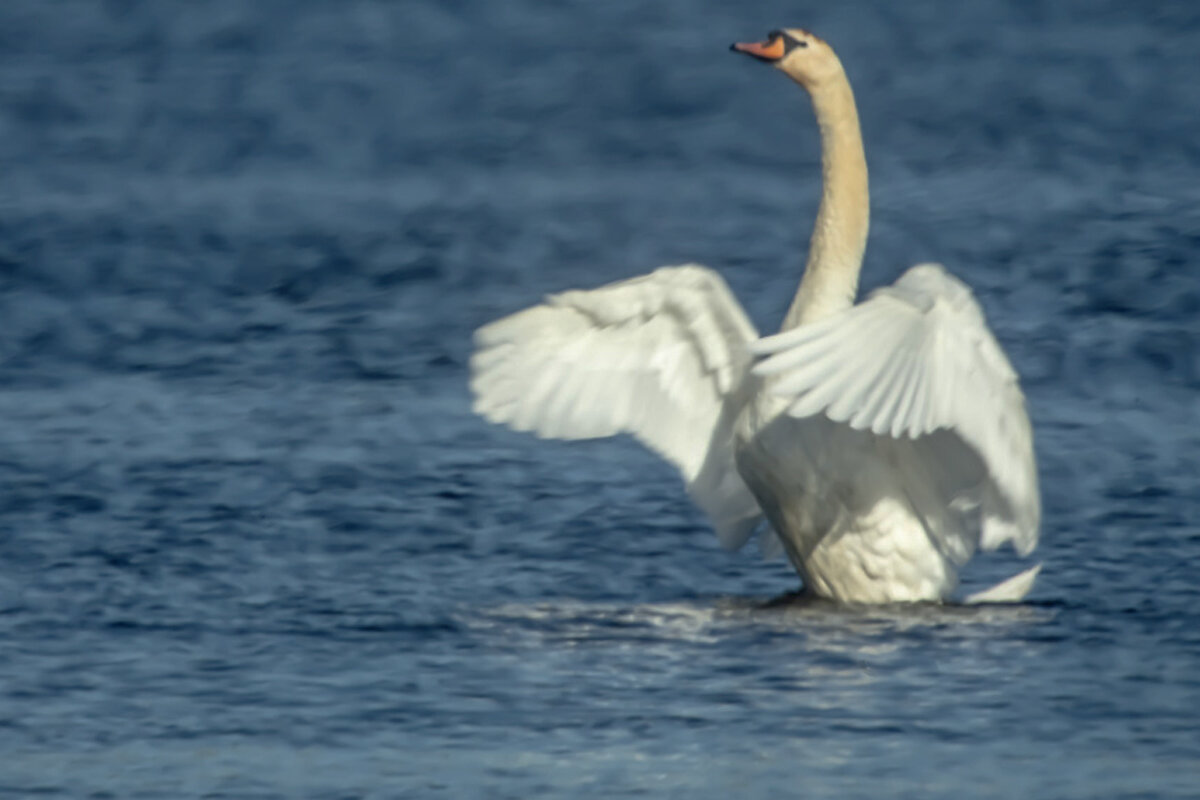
column 1010, row 590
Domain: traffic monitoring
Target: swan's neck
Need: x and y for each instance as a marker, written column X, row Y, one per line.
column 840, row 235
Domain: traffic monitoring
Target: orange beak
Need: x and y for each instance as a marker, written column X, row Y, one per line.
column 770, row 50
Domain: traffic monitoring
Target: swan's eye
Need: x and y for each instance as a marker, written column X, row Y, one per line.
column 789, row 42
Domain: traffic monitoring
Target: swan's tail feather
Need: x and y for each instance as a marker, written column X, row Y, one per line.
column 1012, row 590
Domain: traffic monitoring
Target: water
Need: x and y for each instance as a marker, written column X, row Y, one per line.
column 253, row 543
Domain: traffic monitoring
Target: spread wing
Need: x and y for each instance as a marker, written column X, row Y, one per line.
column 916, row 364
column 661, row 357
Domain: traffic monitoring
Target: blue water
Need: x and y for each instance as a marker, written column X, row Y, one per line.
column 253, row 544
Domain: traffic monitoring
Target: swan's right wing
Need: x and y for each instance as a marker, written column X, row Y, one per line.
column 658, row 356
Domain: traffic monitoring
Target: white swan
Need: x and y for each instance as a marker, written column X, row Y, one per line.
column 884, row 441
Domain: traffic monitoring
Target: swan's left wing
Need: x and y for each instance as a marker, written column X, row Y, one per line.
column 916, row 364
column 661, row 357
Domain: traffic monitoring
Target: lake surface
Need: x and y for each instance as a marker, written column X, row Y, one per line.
column 253, row 544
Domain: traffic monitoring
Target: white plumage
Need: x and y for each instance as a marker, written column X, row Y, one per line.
column 889, row 441
column 884, row 442
column 915, row 358
column 660, row 357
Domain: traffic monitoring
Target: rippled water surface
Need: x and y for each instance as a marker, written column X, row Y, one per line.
column 253, row 544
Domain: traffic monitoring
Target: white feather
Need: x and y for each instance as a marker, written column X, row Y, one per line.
column 657, row 357
column 916, row 358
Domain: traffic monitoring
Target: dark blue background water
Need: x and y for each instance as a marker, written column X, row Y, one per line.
column 253, row 543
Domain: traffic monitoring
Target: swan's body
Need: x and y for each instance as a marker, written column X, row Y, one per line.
column 883, row 442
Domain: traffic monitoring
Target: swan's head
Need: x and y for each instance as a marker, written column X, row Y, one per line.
column 806, row 58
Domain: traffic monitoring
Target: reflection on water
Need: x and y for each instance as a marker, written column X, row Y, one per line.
column 830, row 686
column 801, row 614
column 761, row 653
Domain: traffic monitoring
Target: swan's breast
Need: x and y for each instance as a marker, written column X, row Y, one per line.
column 839, row 507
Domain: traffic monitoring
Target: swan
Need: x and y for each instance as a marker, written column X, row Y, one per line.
column 883, row 442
